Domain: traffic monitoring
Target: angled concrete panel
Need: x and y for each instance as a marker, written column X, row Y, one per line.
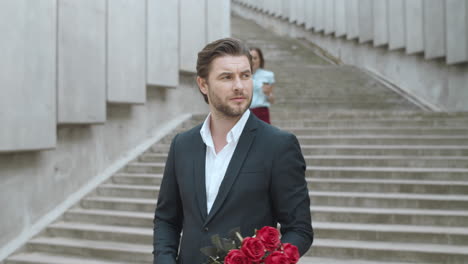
column 329, row 16
column 218, row 19
column 340, row 18
column 82, row 61
column 267, row 7
column 285, row 6
column 309, row 14
column 366, row 21
column 192, row 32
column 163, row 43
column 292, row 11
column 414, row 26
column 300, row 5
column 319, row 15
column 274, row 8
column 434, row 28
column 271, row 7
column 380, row 22
column 352, row 18
column 28, row 75
column 126, row 51
column 457, row 31
column 396, row 24
column 260, row 5
column 278, row 8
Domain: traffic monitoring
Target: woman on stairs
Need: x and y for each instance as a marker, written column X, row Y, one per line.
column 263, row 81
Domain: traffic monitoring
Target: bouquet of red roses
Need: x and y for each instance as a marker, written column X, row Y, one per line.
column 264, row 247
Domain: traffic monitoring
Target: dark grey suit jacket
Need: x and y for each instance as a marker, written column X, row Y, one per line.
column 264, row 184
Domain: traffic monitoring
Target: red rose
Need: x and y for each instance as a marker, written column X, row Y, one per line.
column 277, row 257
column 291, row 252
column 253, row 248
column 269, row 237
column 236, row 256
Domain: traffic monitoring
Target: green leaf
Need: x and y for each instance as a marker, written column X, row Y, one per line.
column 232, row 233
column 228, row 244
column 209, row 251
column 216, row 240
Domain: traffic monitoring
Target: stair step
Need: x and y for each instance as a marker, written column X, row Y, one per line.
column 100, row 232
column 388, row 161
column 375, row 115
column 355, row 123
column 153, row 157
column 316, row 260
column 137, row 179
column 147, row 167
column 439, row 131
column 389, row 251
column 160, row 148
column 389, row 186
column 456, row 174
column 127, row 252
column 389, row 200
column 385, row 150
column 128, row 190
column 390, row 216
column 320, row 105
column 392, row 233
column 384, row 140
column 120, row 204
column 110, row 217
column 44, row 258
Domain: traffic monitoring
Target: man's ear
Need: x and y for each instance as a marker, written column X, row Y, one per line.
column 202, row 85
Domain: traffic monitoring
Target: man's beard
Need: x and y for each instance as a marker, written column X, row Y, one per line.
column 227, row 110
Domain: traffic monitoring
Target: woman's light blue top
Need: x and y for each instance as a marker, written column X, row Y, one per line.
column 259, row 99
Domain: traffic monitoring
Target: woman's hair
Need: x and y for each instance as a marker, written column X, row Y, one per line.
column 260, row 56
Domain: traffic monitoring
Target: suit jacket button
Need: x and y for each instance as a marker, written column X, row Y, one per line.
column 206, row 229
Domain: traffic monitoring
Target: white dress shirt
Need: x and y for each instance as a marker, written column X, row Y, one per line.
column 216, row 163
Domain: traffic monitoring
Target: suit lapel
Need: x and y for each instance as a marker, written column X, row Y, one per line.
column 199, row 172
column 242, row 149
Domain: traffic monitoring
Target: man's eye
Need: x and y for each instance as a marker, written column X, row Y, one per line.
column 226, row 77
column 246, row 75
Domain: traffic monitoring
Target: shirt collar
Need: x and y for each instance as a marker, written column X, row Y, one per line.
column 233, row 135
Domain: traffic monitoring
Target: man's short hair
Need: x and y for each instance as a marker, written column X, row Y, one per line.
column 216, row 49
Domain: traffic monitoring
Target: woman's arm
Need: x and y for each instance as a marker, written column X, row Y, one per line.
column 268, row 91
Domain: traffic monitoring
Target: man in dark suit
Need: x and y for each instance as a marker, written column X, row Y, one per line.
column 231, row 171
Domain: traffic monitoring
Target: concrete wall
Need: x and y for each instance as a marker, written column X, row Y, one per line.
column 414, row 26
column 457, row 28
column 419, row 45
column 163, row 56
column 79, row 84
column 380, row 23
column 81, row 61
column 27, row 48
column 220, row 11
column 193, row 34
column 126, row 51
column 32, row 184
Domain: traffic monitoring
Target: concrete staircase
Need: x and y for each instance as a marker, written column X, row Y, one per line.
column 386, row 186
column 111, row 225
column 388, row 182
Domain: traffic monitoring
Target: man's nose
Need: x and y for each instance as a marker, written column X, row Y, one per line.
column 238, row 84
